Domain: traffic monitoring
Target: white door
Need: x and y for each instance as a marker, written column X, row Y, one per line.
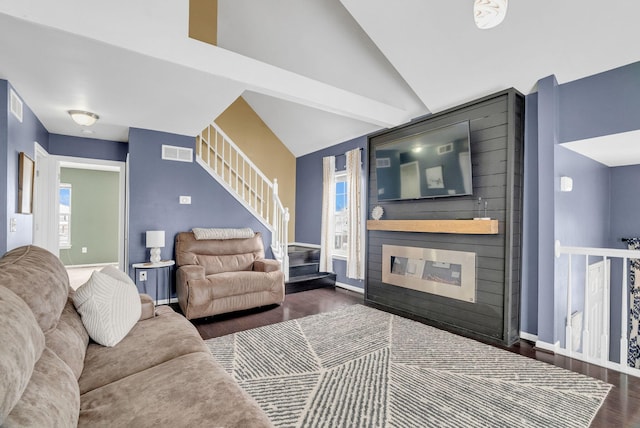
column 45, row 224
column 597, row 311
column 409, row 180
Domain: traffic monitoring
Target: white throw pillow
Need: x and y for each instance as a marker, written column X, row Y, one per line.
column 108, row 306
column 116, row 273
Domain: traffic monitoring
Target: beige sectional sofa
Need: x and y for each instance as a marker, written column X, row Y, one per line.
column 53, row 375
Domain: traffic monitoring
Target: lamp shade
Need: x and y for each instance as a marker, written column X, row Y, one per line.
column 155, row 238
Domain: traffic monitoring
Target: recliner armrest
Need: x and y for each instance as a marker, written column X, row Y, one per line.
column 266, row 265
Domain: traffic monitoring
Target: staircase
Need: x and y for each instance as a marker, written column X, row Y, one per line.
column 230, row 167
column 304, row 269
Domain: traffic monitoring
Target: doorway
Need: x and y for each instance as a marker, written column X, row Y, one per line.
column 79, row 214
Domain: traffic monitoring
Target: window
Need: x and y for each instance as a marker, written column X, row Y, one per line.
column 341, row 228
column 64, row 223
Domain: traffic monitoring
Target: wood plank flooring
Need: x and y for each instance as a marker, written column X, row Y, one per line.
column 620, row 409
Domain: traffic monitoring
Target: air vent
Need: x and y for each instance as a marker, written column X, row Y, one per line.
column 383, row 163
column 180, row 154
column 16, row 105
column 447, row 148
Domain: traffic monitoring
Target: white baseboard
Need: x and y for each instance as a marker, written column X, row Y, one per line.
column 350, row 287
column 555, row 348
column 528, row 336
column 578, row 356
column 90, row 265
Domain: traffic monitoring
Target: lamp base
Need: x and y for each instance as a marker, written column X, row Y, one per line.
column 155, row 255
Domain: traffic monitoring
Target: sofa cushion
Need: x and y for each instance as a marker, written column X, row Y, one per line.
column 188, row 391
column 109, row 308
column 21, row 345
column 40, row 279
column 69, row 339
column 149, row 343
column 51, row 398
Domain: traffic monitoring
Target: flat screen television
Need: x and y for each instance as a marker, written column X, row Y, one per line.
column 430, row 164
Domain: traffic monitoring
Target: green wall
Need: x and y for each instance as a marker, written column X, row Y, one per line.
column 94, row 216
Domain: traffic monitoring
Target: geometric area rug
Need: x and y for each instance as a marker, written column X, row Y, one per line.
column 361, row 367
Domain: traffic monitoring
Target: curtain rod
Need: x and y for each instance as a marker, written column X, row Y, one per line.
column 345, row 153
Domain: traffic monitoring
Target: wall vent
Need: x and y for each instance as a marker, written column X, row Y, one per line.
column 446, row 148
column 180, row 154
column 383, row 163
column 16, row 105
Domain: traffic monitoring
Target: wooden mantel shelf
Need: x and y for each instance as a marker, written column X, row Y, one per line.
column 474, row 227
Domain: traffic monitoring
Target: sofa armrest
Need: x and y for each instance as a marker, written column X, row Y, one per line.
column 148, row 307
column 266, row 265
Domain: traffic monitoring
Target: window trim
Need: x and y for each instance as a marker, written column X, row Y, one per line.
column 70, row 187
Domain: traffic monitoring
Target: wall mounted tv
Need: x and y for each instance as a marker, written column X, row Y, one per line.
column 430, row 164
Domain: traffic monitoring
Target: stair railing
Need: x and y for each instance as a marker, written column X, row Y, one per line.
column 231, row 167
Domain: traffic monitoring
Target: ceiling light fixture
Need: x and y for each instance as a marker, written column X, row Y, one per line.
column 83, row 118
column 489, row 13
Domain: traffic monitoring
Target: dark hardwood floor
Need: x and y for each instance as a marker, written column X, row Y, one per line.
column 620, row 409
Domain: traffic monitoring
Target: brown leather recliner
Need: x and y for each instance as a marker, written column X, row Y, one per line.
column 216, row 276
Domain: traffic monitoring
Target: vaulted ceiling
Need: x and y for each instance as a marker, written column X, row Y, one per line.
column 318, row 72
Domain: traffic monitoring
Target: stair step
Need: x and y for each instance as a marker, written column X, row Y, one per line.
column 299, row 254
column 310, row 282
column 303, row 269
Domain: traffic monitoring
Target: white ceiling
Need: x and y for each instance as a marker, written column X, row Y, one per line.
column 611, row 150
column 318, row 72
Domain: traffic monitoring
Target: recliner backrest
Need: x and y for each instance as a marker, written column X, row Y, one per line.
column 219, row 255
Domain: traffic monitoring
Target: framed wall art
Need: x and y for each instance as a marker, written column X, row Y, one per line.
column 26, row 170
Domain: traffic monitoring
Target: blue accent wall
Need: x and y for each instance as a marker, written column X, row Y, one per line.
column 155, row 187
column 309, row 196
column 547, row 138
column 625, row 204
column 21, row 137
column 529, row 284
column 91, row 148
column 582, row 219
column 602, row 104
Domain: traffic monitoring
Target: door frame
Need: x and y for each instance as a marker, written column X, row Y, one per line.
column 97, row 165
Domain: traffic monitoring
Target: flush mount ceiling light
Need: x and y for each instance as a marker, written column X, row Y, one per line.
column 83, row 118
column 489, row 13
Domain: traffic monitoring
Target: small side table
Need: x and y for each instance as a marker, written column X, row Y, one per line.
column 163, row 264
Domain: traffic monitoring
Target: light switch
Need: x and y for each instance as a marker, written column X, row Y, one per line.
column 185, row 200
column 13, row 225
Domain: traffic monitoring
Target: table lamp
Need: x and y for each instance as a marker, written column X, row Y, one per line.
column 155, row 241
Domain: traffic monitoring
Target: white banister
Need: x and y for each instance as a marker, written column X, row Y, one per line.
column 568, row 329
column 249, row 186
column 624, row 317
column 586, row 337
column 591, row 345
